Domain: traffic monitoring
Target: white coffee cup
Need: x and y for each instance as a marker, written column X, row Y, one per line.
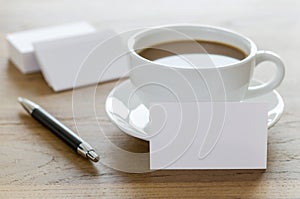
column 158, row 82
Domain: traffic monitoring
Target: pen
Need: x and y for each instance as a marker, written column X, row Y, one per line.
column 60, row 130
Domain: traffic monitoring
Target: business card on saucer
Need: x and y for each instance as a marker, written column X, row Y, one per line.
column 208, row 135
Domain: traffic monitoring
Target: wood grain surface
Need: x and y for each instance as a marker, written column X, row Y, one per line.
column 35, row 164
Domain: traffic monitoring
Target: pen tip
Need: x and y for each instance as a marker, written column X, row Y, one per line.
column 92, row 155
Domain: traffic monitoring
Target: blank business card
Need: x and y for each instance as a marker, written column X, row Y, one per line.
column 204, row 135
column 20, row 46
column 82, row 60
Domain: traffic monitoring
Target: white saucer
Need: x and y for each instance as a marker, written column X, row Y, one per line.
column 131, row 115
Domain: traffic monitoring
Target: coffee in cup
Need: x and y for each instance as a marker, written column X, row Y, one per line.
column 171, row 53
column 197, row 63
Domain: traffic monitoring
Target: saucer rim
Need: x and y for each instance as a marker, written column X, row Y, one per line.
column 146, row 138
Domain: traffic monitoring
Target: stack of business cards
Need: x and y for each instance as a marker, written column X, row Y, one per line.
column 70, row 55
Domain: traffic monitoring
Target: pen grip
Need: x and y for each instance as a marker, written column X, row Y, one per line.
column 60, row 130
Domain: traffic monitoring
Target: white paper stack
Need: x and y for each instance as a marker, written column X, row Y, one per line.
column 71, row 55
column 20, row 44
column 82, row 60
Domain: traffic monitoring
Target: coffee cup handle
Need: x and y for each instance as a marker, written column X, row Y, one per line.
column 264, row 88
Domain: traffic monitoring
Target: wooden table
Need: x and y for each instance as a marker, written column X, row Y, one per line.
column 35, row 164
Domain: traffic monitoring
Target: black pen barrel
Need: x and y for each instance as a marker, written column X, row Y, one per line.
column 57, row 128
